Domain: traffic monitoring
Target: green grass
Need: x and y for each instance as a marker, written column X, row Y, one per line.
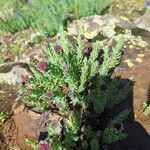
column 47, row 16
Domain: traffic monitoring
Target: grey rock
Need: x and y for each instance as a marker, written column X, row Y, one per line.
column 143, row 22
column 11, row 73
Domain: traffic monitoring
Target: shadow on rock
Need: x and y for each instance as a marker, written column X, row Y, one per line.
column 137, row 137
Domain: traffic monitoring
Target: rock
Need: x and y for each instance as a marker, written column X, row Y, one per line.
column 94, row 25
column 22, row 108
column 26, row 125
column 139, row 74
column 128, row 8
column 143, row 21
column 18, row 110
column 17, row 46
column 11, row 73
column 18, row 128
column 108, row 26
column 33, row 115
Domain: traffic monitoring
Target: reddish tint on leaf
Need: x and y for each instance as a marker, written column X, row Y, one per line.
column 88, row 46
column 65, row 67
column 47, row 40
column 103, row 87
column 25, row 78
column 42, row 65
column 49, row 94
column 44, row 147
column 57, row 48
column 82, row 37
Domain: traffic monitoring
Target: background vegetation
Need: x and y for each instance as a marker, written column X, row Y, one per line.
column 48, row 15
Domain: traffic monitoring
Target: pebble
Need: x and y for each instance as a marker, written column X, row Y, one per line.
column 129, row 63
column 140, row 55
column 139, row 60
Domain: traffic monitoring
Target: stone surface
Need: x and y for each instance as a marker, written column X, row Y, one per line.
column 139, row 74
column 108, row 27
column 16, row 47
column 18, row 128
column 137, row 129
column 94, row 25
column 143, row 21
column 11, row 73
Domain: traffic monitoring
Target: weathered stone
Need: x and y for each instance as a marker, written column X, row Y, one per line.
column 94, row 25
column 18, row 110
column 33, row 115
column 11, row 73
column 50, row 119
column 139, row 74
column 16, row 47
column 20, row 127
column 128, row 8
column 143, row 21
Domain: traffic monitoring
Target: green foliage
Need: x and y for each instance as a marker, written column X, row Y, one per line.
column 113, row 59
column 2, row 117
column 66, row 65
column 10, row 4
column 17, row 22
column 1, row 58
column 111, row 133
column 15, row 49
column 146, row 108
column 87, row 7
column 70, row 132
column 48, row 15
column 32, row 143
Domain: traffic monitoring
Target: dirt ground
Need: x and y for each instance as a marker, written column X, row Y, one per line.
column 7, row 98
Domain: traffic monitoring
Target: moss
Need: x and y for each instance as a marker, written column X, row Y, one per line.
column 15, row 49
column 37, row 39
column 1, row 58
column 2, row 117
column 132, row 15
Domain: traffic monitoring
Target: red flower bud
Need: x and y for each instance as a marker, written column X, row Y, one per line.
column 25, row 78
column 44, row 146
column 42, row 65
column 57, row 48
column 49, row 94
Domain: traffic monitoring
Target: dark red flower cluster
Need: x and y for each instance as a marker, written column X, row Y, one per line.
column 49, row 94
column 88, row 46
column 44, row 146
column 25, row 78
column 57, row 48
column 42, row 65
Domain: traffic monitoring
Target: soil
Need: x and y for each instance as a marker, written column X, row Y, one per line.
column 7, row 99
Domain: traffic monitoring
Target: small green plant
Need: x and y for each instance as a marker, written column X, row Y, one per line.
column 32, row 143
column 146, row 108
column 1, row 58
column 90, row 92
column 2, row 117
